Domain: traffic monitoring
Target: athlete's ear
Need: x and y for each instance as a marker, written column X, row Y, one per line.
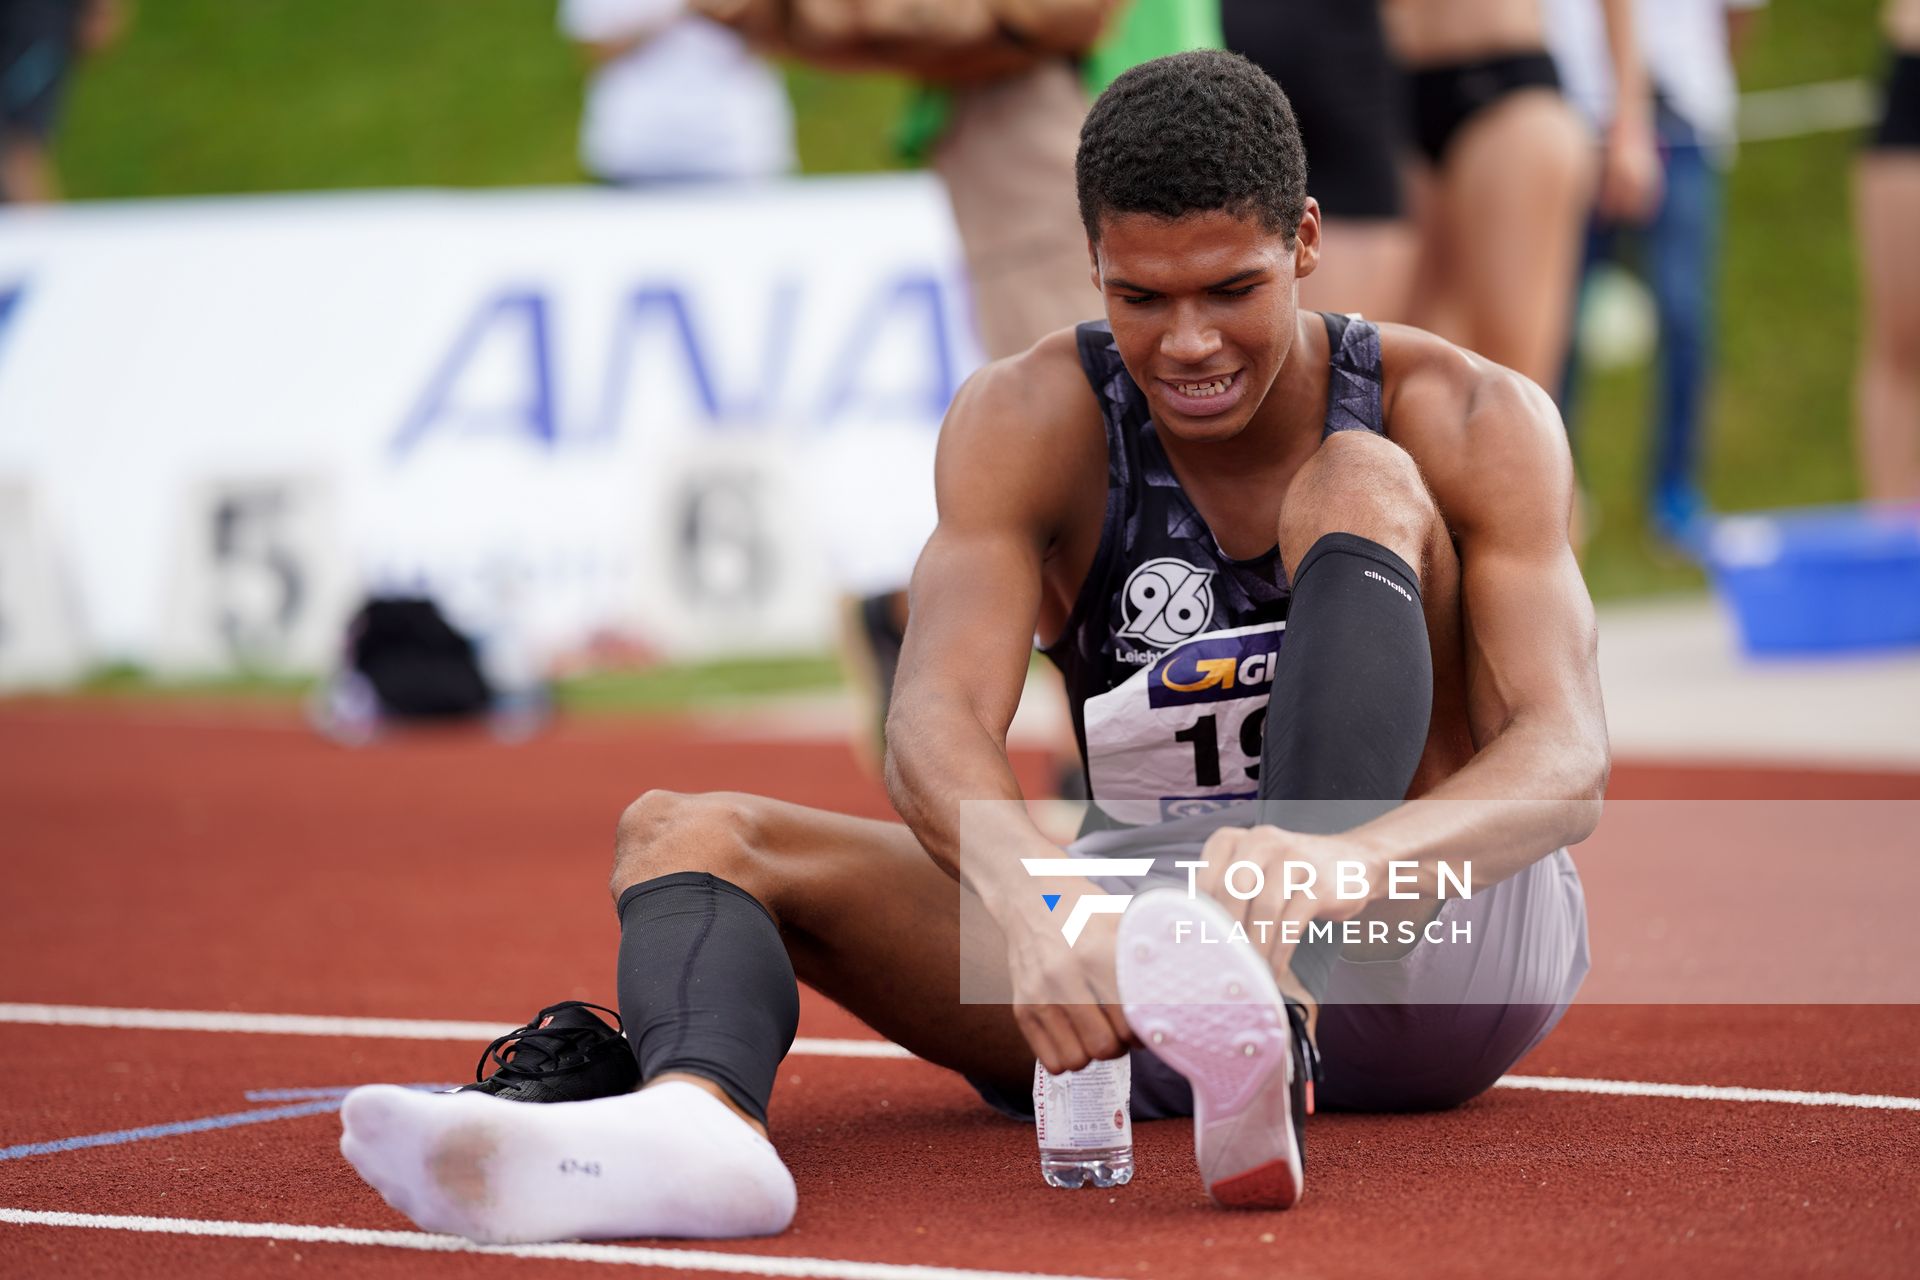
column 1093, row 264
column 1306, row 240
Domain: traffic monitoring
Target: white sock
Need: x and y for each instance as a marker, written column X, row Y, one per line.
column 672, row 1160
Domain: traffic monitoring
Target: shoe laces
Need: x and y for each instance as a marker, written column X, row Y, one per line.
column 538, row 1048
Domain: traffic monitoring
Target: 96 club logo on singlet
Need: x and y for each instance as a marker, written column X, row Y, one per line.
column 1166, row 601
column 1183, row 736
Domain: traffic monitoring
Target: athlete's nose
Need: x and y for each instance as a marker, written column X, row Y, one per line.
column 1189, row 339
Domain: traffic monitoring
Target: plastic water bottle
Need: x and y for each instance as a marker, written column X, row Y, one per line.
column 1085, row 1124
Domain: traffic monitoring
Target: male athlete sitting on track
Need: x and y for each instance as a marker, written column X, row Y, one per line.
column 1118, row 490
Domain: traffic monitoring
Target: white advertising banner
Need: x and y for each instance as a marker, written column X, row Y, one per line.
column 686, row 417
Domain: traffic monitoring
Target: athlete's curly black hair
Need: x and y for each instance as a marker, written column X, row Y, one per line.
column 1188, row 133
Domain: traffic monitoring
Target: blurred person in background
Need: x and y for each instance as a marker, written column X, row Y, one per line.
column 1005, row 156
column 673, row 97
column 1331, row 59
column 1005, row 85
column 1688, row 49
column 39, row 43
column 998, row 118
column 1887, row 200
column 1509, row 173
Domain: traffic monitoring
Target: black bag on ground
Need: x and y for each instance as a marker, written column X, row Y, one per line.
column 419, row 665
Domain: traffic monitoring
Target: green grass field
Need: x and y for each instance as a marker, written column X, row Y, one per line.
column 209, row 96
column 663, row 689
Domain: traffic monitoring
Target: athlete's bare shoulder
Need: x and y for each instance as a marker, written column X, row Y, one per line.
column 1042, row 391
column 1488, row 440
column 1022, row 435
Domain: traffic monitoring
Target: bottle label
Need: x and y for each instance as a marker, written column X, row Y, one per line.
column 1085, row 1110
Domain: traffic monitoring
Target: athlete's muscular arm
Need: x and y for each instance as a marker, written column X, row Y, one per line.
column 974, row 603
column 1004, row 480
column 1492, row 450
column 1495, row 455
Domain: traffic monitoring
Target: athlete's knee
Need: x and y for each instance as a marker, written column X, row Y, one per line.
column 663, row 832
column 1362, row 484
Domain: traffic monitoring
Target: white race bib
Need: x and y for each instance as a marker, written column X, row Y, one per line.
column 1183, row 735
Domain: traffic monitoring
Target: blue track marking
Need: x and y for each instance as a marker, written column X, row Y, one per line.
column 231, row 1120
column 340, row 1091
column 294, row 1095
column 311, row 1102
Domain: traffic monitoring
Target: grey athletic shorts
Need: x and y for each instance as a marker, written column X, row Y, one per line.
column 1429, row 1030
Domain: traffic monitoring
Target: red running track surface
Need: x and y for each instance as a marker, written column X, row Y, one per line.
column 159, row 858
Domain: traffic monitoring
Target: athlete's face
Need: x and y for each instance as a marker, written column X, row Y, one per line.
column 1202, row 308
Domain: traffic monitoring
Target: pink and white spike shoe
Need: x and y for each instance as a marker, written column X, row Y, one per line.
column 1208, row 1007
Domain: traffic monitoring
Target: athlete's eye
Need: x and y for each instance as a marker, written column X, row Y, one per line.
column 1139, row 301
column 1235, row 293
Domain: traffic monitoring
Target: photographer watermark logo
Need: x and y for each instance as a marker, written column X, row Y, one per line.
column 1087, row 906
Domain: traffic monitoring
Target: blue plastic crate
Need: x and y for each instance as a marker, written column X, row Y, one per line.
column 1820, row 580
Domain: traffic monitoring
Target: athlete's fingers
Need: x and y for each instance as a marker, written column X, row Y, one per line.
column 1064, row 1030
column 1260, row 853
column 1290, row 929
column 1085, row 1005
column 1262, row 911
column 1219, row 852
column 1117, row 1019
column 1095, row 1032
column 1038, row 1029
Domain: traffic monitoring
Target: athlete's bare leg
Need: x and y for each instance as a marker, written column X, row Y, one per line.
column 868, row 919
column 863, row 915
column 1506, row 211
column 1887, row 385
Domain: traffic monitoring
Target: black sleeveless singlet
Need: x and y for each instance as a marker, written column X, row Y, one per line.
column 1169, row 651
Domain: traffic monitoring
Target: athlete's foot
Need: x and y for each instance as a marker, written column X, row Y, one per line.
column 668, row 1161
column 712, row 1090
column 1212, row 1012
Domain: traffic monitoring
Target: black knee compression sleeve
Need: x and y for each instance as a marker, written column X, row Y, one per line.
column 705, row 985
column 1352, row 695
column 1353, row 690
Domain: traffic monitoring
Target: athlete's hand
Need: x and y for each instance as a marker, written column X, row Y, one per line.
column 1316, row 859
column 1065, row 998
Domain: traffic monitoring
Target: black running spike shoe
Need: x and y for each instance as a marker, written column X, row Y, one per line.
column 564, row 1055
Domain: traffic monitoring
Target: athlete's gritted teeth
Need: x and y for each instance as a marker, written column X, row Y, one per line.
column 1203, row 398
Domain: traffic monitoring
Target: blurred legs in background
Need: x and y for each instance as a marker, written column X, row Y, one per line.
column 37, row 46
column 1887, row 207
column 1349, row 99
column 1006, row 159
column 1501, row 206
column 1682, row 261
column 1366, row 266
column 1679, row 257
column 40, row 40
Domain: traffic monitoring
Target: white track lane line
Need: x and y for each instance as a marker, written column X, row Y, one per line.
column 300, row 1024
column 1708, row 1092
column 741, row 1264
